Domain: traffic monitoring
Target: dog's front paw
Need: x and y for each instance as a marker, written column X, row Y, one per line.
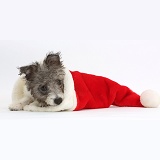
column 16, row 107
column 32, row 107
column 29, row 108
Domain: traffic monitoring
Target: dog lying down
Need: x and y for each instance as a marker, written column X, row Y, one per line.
column 49, row 86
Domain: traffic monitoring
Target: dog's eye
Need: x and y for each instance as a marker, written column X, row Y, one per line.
column 59, row 82
column 43, row 89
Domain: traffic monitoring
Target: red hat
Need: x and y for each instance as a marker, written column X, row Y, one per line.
column 99, row 92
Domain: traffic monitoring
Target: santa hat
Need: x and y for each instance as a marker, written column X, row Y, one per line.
column 100, row 92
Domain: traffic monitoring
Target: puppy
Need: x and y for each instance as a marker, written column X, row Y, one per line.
column 49, row 86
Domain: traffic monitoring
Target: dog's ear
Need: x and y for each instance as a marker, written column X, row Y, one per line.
column 29, row 70
column 53, row 59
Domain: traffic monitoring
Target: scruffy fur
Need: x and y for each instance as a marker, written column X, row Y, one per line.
column 44, row 81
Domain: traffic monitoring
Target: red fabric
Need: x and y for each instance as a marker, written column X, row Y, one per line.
column 100, row 92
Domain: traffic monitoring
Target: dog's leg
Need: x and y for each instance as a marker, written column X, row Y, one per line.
column 19, row 105
column 20, row 96
column 35, row 107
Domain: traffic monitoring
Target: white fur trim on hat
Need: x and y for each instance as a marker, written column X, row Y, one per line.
column 150, row 99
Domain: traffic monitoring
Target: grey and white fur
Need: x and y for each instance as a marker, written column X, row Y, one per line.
column 44, row 83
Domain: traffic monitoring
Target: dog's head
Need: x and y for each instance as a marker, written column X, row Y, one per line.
column 45, row 80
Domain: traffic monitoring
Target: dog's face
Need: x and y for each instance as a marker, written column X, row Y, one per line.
column 46, row 81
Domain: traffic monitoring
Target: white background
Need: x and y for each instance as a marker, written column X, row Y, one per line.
column 116, row 39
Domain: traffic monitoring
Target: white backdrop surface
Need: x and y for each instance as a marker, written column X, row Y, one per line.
column 113, row 133
column 116, row 39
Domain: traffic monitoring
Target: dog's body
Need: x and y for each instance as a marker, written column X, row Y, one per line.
column 49, row 86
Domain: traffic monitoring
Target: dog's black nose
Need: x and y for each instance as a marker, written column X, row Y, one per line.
column 58, row 101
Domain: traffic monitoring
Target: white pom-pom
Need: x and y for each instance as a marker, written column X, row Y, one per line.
column 150, row 99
